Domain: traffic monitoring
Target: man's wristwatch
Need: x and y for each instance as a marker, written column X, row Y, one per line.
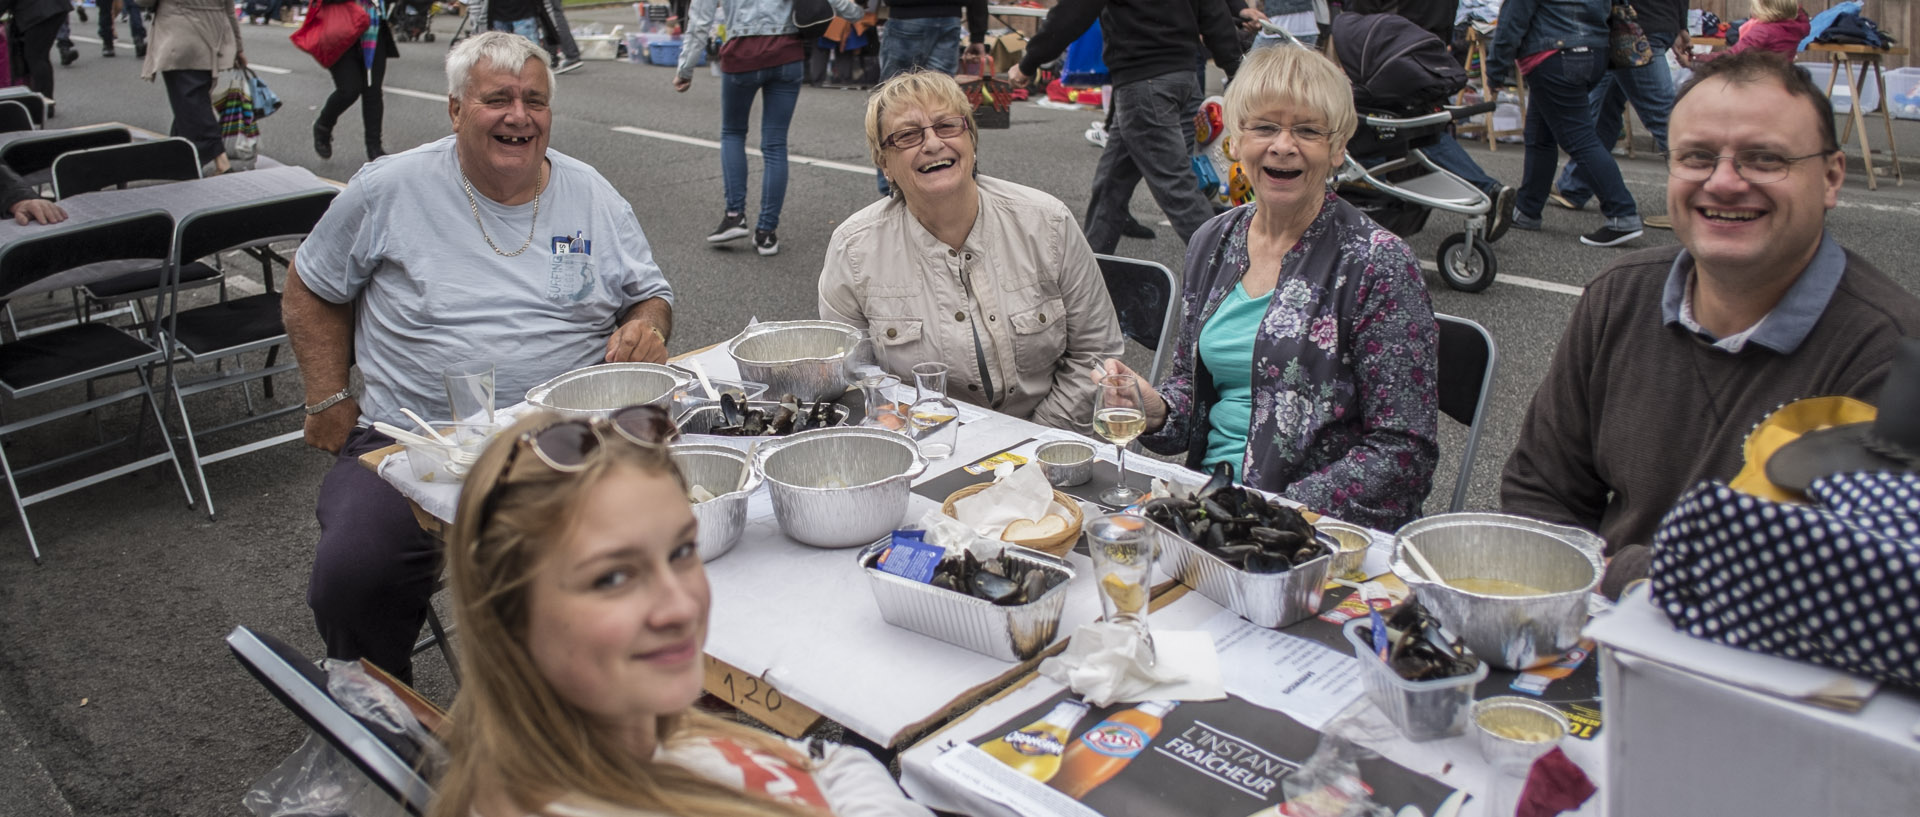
column 329, row 402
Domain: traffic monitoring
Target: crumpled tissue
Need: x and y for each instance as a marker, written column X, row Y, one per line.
column 1023, row 494
column 1107, row 662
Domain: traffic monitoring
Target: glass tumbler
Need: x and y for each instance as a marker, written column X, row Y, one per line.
column 1122, row 547
column 470, row 391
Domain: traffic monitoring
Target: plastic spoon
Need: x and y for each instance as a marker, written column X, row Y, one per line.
column 423, row 424
column 701, row 372
column 400, row 435
column 1425, row 565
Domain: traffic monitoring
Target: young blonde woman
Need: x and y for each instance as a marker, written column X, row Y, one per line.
column 582, row 607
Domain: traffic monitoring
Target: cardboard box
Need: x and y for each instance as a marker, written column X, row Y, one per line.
column 1007, row 49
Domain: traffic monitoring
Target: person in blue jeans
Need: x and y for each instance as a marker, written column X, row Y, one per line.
column 137, row 26
column 926, row 34
column 1561, row 47
column 1649, row 87
column 762, row 55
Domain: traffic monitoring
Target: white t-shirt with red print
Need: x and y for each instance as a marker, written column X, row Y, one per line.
column 843, row 781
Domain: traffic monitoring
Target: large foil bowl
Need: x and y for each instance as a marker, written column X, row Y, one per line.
column 801, row 358
column 598, row 391
column 1509, row 631
column 839, row 487
column 725, row 472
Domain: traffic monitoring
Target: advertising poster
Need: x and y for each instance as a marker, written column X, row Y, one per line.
column 1226, row 758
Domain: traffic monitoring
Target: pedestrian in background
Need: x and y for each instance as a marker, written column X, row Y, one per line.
column 1561, row 48
column 193, row 41
column 30, row 39
column 1149, row 53
column 527, row 18
column 1649, row 87
column 135, row 26
column 355, row 79
column 762, row 55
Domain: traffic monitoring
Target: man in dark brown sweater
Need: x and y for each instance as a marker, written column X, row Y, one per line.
column 1674, row 354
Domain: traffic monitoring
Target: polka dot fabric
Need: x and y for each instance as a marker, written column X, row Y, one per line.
column 1835, row 583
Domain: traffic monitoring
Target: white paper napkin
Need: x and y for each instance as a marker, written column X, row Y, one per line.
column 1104, row 663
column 1024, row 495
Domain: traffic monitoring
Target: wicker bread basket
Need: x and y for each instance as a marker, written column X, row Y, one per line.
column 1056, row 545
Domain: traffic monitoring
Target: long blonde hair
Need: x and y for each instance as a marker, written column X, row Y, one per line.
column 510, row 732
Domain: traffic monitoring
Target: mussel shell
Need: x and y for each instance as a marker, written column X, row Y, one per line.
column 994, row 588
column 1035, row 584
column 1237, row 553
column 1263, row 562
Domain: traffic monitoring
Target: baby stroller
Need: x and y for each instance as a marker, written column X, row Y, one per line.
column 1401, row 77
column 411, row 20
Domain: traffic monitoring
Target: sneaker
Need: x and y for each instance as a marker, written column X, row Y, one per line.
column 1132, row 228
column 733, row 226
column 323, row 141
column 1522, row 222
column 1502, row 212
column 140, row 49
column 68, row 55
column 567, row 64
column 106, row 49
column 1559, row 199
column 1658, row 222
column 766, row 242
column 1609, row 237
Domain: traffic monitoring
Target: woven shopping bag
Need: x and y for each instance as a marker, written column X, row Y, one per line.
column 239, row 123
column 991, row 97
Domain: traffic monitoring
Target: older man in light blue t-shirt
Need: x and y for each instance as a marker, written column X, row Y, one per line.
column 484, row 245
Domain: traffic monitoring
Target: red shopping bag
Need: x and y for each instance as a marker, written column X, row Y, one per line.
column 330, row 29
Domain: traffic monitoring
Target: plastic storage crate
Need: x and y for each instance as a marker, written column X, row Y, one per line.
column 1903, row 93
column 1842, row 96
column 668, row 54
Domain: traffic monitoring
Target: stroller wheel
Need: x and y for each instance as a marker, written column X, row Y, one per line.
column 427, row 36
column 1468, row 267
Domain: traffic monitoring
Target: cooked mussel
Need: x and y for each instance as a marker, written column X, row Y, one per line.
column 1001, row 580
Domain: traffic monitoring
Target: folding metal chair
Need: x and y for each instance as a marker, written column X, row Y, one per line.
column 301, row 685
column 1467, row 357
column 35, row 104
column 14, row 116
column 81, row 353
column 116, row 166
column 32, row 156
column 1145, row 296
column 231, row 328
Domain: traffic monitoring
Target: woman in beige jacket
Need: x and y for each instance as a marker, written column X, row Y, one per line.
column 992, row 278
column 191, row 43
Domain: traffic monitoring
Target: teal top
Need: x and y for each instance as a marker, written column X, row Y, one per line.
column 1226, row 349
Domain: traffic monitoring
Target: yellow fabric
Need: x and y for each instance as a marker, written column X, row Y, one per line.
column 1785, row 425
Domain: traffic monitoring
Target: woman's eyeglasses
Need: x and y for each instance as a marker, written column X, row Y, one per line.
column 907, row 138
column 1756, row 166
column 569, row 446
column 1304, row 134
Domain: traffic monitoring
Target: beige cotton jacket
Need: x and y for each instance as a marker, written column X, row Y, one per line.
column 1024, row 280
column 197, row 35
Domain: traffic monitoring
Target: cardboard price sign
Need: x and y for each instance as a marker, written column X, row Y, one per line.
column 757, row 698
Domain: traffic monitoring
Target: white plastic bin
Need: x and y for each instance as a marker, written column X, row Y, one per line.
column 1841, row 97
column 1424, row 710
column 1903, row 93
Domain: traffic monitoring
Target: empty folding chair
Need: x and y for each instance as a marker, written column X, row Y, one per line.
column 32, row 156
column 81, row 353
column 14, row 116
column 386, row 759
column 232, row 328
column 1467, row 360
column 1145, row 296
column 116, row 166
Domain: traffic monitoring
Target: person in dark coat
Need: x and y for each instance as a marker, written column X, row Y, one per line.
column 35, row 25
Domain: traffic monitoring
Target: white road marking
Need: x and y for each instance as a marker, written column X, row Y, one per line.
column 268, row 69
column 1521, row 281
column 417, row 94
column 708, row 143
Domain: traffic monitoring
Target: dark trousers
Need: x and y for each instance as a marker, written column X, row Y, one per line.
column 374, row 569
column 136, row 26
column 31, row 56
column 190, row 92
column 352, row 80
column 1151, row 140
column 1559, row 117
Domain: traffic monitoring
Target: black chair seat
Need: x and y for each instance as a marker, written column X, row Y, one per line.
column 146, row 280
column 228, row 324
column 66, row 352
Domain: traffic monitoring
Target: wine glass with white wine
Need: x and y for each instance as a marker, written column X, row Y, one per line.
column 1119, row 416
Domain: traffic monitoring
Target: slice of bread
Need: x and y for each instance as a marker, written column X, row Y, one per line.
column 1020, row 531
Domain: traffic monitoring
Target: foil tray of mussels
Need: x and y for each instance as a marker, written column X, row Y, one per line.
column 1244, row 550
column 1015, row 628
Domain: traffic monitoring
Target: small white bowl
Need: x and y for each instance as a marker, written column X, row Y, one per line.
column 1513, row 731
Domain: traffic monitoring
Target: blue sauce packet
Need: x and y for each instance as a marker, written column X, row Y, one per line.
column 908, row 557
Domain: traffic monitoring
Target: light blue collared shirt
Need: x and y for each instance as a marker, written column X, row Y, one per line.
column 1790, row 321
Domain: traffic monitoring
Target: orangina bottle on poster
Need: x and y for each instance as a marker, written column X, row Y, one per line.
column 1034, row 750
column 1108, row 747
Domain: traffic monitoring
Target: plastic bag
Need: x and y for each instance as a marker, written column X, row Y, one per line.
column 318, row 780
column 1329, row 785
column 265, row 101
column 239, row 128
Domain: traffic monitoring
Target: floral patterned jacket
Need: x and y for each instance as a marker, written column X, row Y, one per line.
column 1345, row 409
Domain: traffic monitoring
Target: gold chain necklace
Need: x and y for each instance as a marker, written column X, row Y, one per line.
column 474, row 205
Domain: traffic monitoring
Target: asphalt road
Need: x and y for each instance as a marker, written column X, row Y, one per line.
column 117, row 695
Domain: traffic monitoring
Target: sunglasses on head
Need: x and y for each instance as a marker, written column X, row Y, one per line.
column 570, row 445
